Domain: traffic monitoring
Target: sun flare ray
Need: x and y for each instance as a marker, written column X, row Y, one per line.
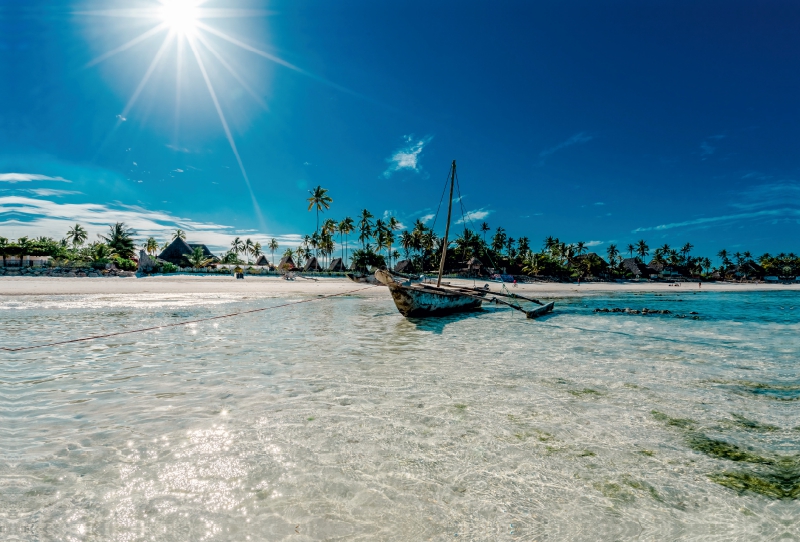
column 124, row 47
column 227, row 130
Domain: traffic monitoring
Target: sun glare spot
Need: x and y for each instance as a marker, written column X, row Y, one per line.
column 180, row 15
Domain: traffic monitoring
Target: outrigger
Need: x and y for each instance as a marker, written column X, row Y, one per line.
column 423, row 300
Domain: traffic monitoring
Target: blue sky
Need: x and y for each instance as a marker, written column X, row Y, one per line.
column 590, row 121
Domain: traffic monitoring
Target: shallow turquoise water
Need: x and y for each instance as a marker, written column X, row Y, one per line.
column 340, row 419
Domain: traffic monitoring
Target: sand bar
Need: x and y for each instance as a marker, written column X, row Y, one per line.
column 189, row 284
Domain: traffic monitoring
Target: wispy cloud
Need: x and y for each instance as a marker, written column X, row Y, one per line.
column 472, row 216
column 40, row 217
column 47, row 192
column 774, row 213
column 426, row 218
column 407, row 156
column 599, row 203
column 706, row 149
column 28, row 177
column 581, row 137
column 761, row 196
column 594, row 243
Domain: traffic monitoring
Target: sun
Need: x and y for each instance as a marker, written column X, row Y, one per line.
column 180, row 16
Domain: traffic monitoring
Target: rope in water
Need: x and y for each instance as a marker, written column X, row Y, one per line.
column 163, row 326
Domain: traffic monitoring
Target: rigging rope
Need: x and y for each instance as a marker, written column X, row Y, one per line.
column 152, row 328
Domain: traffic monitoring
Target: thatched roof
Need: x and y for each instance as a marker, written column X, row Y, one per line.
column 592, row 256
column 287, row 263
column 312, row 264
column 336, row 265
column 207, row 253
column 474, row 263
column 176, row 252
column 262, row 260
column 637, row 268
column 404, row 266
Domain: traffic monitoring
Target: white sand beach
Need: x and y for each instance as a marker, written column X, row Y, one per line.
column 188, row 284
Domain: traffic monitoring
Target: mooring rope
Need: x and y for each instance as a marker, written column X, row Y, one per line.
column 163, row 326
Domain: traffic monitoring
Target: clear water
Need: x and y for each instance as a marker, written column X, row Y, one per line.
column 341, row 420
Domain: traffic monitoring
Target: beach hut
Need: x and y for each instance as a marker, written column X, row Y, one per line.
column 637, row 269
column 287, row 264
column 337, row 265
column 176, row 252
column 474, row 266
column 312, row 265
column 206, row 253
column 404, row 266
column 262, row 260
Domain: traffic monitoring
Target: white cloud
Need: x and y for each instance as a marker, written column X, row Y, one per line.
column 599, row 203
column 594, row 243
column 426, row 218
column 27, row 177
column 581, row 137
column 472, row 216
column 777, row 213
column 38, row 217
column 407, row 157
column 46, row 192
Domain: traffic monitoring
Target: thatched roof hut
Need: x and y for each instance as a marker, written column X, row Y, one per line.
column 337, row 265
column 176, row 252
column 637, row 268
column 262, row 260
column 404, row 266
column 312, row 264
column 474, row 264
column 287, row 263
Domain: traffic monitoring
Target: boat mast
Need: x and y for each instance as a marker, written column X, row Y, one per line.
column 447, row 228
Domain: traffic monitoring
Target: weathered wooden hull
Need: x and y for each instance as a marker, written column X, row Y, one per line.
column 416, row 303
column 363, row 279
column 540, row 311
column 419, row 302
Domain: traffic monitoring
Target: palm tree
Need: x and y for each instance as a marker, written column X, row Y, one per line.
column 630, row 249
column 77, row 235
column 642, row 249
column 613, row 253
column 197, row 258
column 165, row 245
column 484, row 228
column 580, row 248
column 273, row 246
column 532, row 264
column 365, row 228
column 256, row 250
column 151, row 245
column 248, row 249
column 179, row 234
column 320, row 200
column 406, row 242
column 499, row 239
column 345, row 227
column 685, row 250
column 120, row 240
column 237, row 246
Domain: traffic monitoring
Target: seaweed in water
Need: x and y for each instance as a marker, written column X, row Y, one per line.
column 683, row 423
column 750, row 424
column 779, row 479
column 725, row 450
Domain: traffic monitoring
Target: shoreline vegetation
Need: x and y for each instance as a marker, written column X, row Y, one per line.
column 475, row 251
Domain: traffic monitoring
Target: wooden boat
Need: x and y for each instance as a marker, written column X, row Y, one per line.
column 362, row 278
column 415, row 300
column 421, row 300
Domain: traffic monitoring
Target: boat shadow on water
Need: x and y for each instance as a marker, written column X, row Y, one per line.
column 437, row 324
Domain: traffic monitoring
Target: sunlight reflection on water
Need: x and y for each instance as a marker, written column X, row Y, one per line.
column 341, row 419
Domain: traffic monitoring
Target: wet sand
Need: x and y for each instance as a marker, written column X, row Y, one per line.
column 189, row 284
